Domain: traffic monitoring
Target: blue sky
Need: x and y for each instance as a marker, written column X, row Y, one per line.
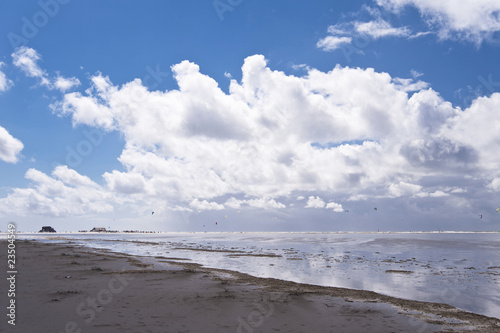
column 261, row 115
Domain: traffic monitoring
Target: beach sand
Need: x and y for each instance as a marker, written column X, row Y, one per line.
column 65, row 288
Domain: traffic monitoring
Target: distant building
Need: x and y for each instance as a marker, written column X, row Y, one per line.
column 47, row 229
column 98, row 229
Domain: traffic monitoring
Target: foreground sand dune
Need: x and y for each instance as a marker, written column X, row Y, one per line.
column 63, row 288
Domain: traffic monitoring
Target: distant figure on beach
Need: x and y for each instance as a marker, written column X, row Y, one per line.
column 480, row 216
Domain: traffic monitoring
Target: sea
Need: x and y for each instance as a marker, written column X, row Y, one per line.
column 457, row 268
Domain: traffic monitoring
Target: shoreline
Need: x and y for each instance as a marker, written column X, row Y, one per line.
column 443, row 268
column 56, row 281
column 121, row 232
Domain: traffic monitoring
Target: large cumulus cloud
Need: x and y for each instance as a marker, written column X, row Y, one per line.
column 346, row 135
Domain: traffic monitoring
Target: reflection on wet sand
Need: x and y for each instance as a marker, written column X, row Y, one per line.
column 456, row 269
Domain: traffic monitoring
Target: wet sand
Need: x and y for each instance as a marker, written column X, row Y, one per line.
column 64, row 288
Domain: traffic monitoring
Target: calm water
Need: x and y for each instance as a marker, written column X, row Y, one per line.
column 461, row 269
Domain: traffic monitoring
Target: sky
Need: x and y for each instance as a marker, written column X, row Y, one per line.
column 258, row 115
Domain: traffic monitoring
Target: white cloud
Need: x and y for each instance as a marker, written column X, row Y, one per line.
column 404, row 189
column 339, row 29
column 65, row 193
column 478, row 127
column 410, row 84
column 257, row 140
column 183, row 209
column 26, row 59
column 495, row 184
column 10, row 147
column 205, row 205
column 330, row 43
column 415, row 74
column 420, row 34
column 73, row 178
column 233, row 203
column 343, row 33
column 301, row 67
column 126, row 182
column 380, row 28
column 347, row 134
column 473, row 20
column 87, row 109
column 358, row 197
column 336, row 207
column 5, row 83
column 263, row 203
column 439, row 193
column 64, row 84
column 315, row 202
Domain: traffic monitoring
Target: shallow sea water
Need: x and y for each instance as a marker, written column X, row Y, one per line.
column 460, row 269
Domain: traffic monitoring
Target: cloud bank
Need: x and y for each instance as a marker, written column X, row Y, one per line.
column 336, row 138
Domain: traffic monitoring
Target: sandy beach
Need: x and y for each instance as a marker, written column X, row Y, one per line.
column 65, row 288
